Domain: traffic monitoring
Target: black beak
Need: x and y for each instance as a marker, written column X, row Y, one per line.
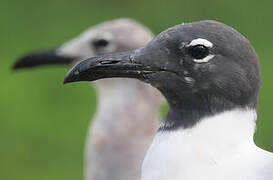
column 39, row 58
column 122, row 64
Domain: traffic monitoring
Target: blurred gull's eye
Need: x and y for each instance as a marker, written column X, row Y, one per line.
column 100, row 43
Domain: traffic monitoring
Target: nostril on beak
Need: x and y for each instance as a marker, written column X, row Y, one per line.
column 109, row 62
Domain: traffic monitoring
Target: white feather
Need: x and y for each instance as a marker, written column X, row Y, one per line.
column 218, row 148
column 201, row 41
column 205, row 59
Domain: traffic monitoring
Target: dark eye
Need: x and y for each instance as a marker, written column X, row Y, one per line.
column 199, row 51
column 100, row 43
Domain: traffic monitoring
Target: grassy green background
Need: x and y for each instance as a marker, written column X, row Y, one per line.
column 43, row 124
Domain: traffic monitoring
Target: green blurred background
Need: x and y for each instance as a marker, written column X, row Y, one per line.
column 43, row 123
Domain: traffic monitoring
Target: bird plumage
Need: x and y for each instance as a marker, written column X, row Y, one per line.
column 218, row 147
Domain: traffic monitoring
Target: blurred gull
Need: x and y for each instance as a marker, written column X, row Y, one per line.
column 127, row 114
column 210, row 76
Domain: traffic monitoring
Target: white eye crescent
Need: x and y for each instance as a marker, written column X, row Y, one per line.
column 204, row 60
column 201, row 41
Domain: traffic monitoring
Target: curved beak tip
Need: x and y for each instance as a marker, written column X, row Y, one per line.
column 66, row 81
column 69, row 78
column 14, row 67
column 17, row 65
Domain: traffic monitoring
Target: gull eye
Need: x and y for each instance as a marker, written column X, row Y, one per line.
column 100, row 43
column 199, row 51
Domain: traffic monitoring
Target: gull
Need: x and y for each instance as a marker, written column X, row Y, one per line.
column 127, row 115
column 209, row 73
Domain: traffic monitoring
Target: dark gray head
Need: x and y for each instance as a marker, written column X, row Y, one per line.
column 202, row 68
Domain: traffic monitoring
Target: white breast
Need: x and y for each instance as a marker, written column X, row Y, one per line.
column 218, row 148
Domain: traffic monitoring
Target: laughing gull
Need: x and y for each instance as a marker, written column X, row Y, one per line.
column 209, row 74
column 127, row 114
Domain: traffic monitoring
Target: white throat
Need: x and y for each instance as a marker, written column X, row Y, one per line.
column 124, row 125
column 126, row 106
column 213, row 142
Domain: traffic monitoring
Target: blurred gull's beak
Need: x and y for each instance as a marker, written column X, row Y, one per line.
column 39, row 58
